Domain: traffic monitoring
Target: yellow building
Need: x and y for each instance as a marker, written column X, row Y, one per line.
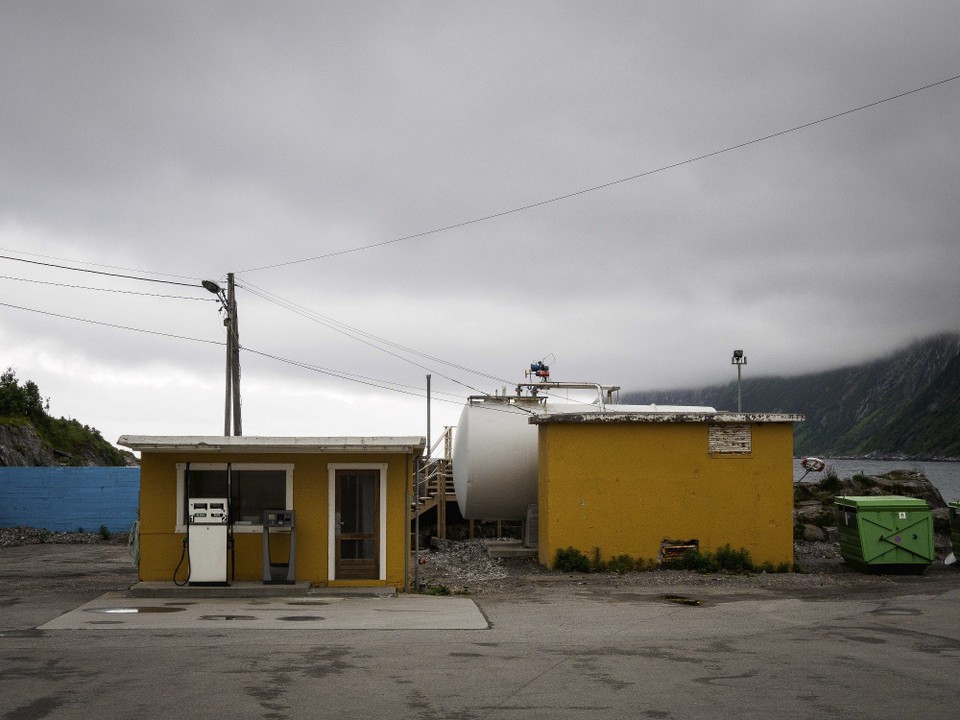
column 350, row 497
column 643, row 483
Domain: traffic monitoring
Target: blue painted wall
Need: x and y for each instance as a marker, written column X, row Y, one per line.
column 68, row 498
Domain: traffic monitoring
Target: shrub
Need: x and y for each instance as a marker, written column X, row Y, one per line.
column 596, row 563
column 104, row 532
column 571, row 560
column 623, row 563
column 695, row 560
column 734, row 560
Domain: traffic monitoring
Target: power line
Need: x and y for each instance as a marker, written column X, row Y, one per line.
column 86, row 262
column 333, row 325
column 99, row 272
column 110, row 325
column 325, row 319
column 352, row 377
column 605, row 185
column 124, row 292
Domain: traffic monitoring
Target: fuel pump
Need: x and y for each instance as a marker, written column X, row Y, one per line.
column 207, row 540
column 278, row 573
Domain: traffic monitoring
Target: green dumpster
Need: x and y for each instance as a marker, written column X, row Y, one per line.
column 954, row 506
column 885, row 534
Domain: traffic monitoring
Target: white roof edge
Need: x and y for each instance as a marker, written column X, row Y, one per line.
column 257, row 443
column 664, row 417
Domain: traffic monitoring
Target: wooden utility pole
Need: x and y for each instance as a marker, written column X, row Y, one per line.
column 233, row 344
column 231, row 395
column 228, row 384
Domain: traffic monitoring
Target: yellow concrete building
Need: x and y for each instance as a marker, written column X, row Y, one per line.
column 639, row 483
column 350, row 497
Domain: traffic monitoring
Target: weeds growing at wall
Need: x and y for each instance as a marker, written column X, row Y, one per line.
column 572, row 560
column 725, row 559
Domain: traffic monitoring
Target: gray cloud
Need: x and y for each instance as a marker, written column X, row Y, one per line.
column 201, row 139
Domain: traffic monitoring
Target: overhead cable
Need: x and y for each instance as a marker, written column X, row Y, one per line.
column 110, row 325
column 95, row 264
column 605, row 185
column 124, row 292
column 352, row 377
column 325, row 319
column 312, row 316
column 100, row 272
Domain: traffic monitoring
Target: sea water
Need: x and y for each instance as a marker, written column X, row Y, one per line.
column 945, row 476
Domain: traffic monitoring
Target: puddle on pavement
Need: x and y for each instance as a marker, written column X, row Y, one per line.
column 228, row 617
column 135, row 610
column 683, row 600
column 33, row 633
column 896, row 611
column 308, row 602
column 297, row 618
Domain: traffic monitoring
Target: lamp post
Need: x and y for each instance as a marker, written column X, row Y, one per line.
column 228, row 301
column 739, row 359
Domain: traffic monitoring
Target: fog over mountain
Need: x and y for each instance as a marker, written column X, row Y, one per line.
column 901, row 405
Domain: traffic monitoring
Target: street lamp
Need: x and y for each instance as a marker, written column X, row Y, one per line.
column 739, row 359
column 232, row 394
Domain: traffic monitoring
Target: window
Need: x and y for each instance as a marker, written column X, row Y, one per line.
column 251, row 488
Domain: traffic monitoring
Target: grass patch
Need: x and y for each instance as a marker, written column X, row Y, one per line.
column 437, row 590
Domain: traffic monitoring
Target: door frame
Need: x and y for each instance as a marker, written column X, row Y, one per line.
column 332, row 516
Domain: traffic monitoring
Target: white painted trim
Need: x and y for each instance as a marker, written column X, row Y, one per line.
column 332, row 510
column 237, row 529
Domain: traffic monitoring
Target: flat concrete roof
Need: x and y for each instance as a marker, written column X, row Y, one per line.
column 261, row 444
column 603, row 418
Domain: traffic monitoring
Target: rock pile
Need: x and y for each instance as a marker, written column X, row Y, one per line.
column 814, row 513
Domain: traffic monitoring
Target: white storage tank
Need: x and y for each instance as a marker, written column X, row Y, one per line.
column 495, row 460
column 495, row 452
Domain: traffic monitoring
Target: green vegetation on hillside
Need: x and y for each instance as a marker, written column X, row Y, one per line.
column 72, row 442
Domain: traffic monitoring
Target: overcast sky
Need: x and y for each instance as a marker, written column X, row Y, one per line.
column 183, row 141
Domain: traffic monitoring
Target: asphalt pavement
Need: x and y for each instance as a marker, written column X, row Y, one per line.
column 570, row 651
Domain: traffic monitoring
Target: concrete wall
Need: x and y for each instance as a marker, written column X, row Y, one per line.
column 161, row 544
column 69, row 498
column 627, row 487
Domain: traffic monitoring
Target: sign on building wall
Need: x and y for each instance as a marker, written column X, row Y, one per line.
column 729, row 439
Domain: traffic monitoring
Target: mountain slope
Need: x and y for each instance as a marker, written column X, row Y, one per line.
column 30, row 437
column 906, row 404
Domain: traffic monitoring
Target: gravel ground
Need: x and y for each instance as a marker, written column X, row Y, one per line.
column 17, row 536
column 465, row 567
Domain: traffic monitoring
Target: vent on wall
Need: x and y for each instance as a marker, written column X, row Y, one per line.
column 729, row 439
column 676, row 549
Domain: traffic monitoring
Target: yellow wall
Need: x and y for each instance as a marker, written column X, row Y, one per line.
column 161, row 545
column 626, row 487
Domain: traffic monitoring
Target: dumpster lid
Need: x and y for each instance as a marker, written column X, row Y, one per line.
column 882, row 502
